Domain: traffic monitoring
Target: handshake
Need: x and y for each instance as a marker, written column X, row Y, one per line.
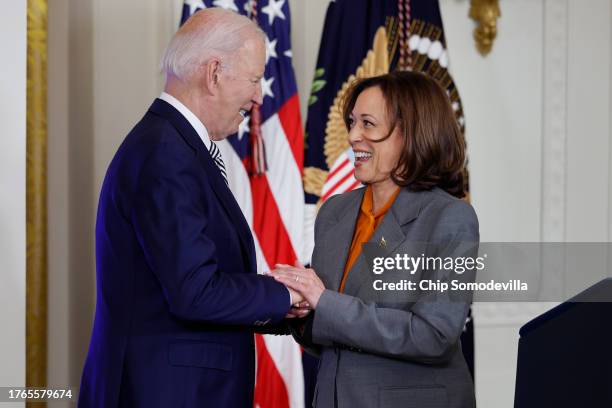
column 304, row 286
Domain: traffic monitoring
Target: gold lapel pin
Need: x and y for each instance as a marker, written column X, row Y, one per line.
column 383, row 242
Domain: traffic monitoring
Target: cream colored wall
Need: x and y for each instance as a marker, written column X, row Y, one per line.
column 538, row 117
column 12, row 194
column 539, row 138
column 128, row 41
column 70, row 179
column 58, row 178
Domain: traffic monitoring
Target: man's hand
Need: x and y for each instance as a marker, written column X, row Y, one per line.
column 298, row 311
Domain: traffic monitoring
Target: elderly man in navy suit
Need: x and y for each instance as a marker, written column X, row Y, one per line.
column 178, row 294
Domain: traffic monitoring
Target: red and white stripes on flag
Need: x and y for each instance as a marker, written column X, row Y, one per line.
column 273, row 204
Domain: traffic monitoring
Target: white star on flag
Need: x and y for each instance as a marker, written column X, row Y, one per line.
column 194, row 5
column 226, row 4
column 266, row 87
column 274, row 9
column 288, row 54
column 244, row 127
column 270, row 49
column 248, row 8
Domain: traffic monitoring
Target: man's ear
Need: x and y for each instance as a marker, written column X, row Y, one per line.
column 211, row 74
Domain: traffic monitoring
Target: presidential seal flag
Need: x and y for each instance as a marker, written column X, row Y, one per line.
column 264, row 162
column 365, row 38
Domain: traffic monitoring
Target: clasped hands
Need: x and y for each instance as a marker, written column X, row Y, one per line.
column 303, row 283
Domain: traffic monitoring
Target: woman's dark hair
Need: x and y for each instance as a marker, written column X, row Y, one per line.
column 433, row 152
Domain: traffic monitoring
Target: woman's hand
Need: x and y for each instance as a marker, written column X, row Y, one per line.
column 302, row 280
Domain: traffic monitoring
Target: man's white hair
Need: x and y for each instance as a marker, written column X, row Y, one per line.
column 212, row 32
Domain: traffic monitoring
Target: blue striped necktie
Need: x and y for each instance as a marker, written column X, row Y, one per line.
column 216, row 156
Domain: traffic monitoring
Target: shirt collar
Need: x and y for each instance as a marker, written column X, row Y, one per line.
column 367, row 205
column 193, row 120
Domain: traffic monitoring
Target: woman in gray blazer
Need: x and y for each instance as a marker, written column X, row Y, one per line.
column 387, row 336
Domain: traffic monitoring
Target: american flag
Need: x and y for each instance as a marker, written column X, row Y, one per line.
column 272, row 202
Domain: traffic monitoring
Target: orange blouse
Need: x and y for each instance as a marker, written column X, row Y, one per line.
column 367, row 222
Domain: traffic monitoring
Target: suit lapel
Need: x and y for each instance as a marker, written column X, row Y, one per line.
column 220, row 189
column 404, row 210
column 341, row 233
column 226, row 197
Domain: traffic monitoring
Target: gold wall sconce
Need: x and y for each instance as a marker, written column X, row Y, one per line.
column 485, row 13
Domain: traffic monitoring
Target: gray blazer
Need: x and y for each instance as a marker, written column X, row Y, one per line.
column 384, row 348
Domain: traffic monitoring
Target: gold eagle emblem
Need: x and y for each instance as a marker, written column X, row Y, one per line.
column 376, row 62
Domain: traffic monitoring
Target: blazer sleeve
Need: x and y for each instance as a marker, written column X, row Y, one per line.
column 428, row 332
column 301, row 330
column 170, row 219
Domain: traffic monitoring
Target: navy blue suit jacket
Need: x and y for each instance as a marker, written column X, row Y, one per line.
column 178, row 295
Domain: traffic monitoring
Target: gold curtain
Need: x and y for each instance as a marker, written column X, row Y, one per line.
column 36, row 196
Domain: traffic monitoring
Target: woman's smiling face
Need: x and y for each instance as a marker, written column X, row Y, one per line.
column 369, row 122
